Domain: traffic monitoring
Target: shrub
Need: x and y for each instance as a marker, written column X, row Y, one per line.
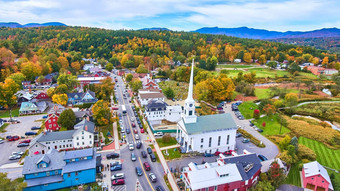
column 166, row 138
column 256, row 114
column 251, row 137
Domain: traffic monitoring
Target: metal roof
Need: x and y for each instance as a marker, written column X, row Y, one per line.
column 43, row 180
column 315, row 168
column 57, row 135
column 85, row 123
column 78, row 153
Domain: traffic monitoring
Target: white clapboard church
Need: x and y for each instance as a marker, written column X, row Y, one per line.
column 204, row 134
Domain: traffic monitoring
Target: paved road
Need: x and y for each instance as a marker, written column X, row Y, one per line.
column 270, row 151
column 128, row 165
column 17, row 129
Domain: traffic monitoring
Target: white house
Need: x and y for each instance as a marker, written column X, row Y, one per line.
column 157, row 110
column 204, row 134
column 173, row 113
column 81, row 137
column 88, row 66
column 144, row 96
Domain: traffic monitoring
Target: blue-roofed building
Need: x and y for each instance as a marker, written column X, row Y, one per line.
column 81, row 98
column 56, row 170
column 204, row 134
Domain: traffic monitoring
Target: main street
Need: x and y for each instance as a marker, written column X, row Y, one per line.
column 129, row 166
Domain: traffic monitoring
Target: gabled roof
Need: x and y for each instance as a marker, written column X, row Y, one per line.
column 57, row 135
column 151, row 95
column 315, row 168
column 82, row 113
column 56, row 162
column 72, row 95
column 45, row 159
column 78, row 153
column 250, row 161
column 28, row 106
column 210, row 123
column 85, row 123
column 156, row 104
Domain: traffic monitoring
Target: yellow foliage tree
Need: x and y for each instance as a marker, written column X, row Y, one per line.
column 60, row 99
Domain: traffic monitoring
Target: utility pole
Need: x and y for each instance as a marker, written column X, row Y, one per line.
column 280, row 121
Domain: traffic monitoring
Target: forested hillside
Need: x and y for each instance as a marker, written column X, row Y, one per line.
column 49, row 49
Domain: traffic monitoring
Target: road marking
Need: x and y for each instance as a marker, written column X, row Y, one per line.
column 146, row 176
column 129, row 122
column 119, row 188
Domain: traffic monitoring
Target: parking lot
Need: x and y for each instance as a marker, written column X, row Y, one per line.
column 17, row 129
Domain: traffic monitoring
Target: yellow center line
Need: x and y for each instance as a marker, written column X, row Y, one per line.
column 146, row 176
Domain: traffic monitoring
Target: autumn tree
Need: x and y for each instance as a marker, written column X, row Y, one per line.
column 129, row 77
column 17, row 77
column 269, row 109
column 325, row 61
column 30, row 70
column 61, row 89
column 7, row 184
column 275, row 174
column 256, row 114
column 135, row 84
column 76, row 66
column 104, row 89
column 7, row 94
column 101, row 113
column 262, row 59
column 67, row 119
column 142, row 69
column 60, row 99
column 291, row 99
column 63, row 62
column 247, row 57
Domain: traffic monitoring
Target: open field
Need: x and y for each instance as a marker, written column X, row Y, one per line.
column 247, row 109
column 294, row 176
column 161, row 143
column 328, row 111
column 5, row 113
column 180, row 88
column 173, row 154
column 261, row 93
column 325, row 156
column 272, row 125
column 234, row 66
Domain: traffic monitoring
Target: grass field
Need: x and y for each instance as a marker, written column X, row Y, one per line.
column 234, row 66
column 180, row 88
column 294, row 176
column 261, row 93
column 3, row 128
column 272, row 125
column 325, row 156
column 263, row 72
column 247, row 109
column 161, row 143
column 173, row 154
column 5, row 113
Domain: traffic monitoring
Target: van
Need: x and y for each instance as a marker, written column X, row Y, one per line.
column 153, row 157
column 118, row 176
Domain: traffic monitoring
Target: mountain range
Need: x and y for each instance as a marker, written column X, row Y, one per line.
column 245, row 32
column 18, row 25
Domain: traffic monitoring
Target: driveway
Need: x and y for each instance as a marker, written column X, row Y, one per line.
column 270, row 151
column 17, row 129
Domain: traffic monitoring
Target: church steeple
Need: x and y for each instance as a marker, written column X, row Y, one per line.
column 189, row 107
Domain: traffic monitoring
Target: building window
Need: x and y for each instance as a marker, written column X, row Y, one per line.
column 68, row 174
column 90, row 136
column 190, row 113
column 56, row 172
column 77, row 143
column 323, row 181
column 219, row 141
column 82, row 132
column 83, row 143
column 77, row 138
column 82, row 137
column 48, row 148
column 76, row 173
column 215, row 188
column 202, row 139
column 45, row 184
column 201, row 146
column 35, row 174
column 210, row 141
column 228, row 139
column 90, row 142
column 206, row 189
column 47, row 173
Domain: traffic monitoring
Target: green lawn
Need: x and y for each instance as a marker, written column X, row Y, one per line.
column 308, row 75
column 261, row 93
column 324, row 155
column 263, row 72
column 5, row 113
column 245, row 109
column 161, row 143
column 272, row 125
column 3, row 127
column 173, row 154
column 234, row 66
column 294, row 176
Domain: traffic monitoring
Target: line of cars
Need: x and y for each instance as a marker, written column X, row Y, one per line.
column 16, row 155
column 234, row 107
column 255, row 127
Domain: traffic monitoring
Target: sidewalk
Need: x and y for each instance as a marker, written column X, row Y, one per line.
column 170, row 147
column 11, row 165
column 115, row 135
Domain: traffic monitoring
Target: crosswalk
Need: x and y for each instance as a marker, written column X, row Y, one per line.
column 119, row 188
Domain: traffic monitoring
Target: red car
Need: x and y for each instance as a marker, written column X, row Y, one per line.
column 13, row 138
column 25, row 141
column 142, row 130
column 135, row 131
column 133, row 124
column 147, row 166
column 228, row 152
column 118, row 182
column 217, row 153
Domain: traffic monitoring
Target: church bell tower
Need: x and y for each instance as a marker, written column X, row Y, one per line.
column 189, row 107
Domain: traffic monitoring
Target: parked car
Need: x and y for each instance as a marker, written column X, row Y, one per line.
column 14, row 157
column 118, row 182
column 208, row 155
column 112, row 155
column 262, row 158
column 153, row 157
column 139, row 145
column 251, row 123
column 25, row 141
column 18, row 153
column 153, row 177
column 245, row 141
column 136, row 136
column 116, row 167
column 1, row 141
column 139, row 171
column 217, row 153
column 35, row 128
column 133, row 157
column 133, row 124
column 30, row 133
column 238, row 134
column 158, row 134
column 135, row 131
column 23, row 144
column 127, row 131
column 131, row 147
column 147, row 166
column 122, row 130
column 228, row 152
column 149, row 150
column 143, row 154
column 13, row 138
column 142, row 130
column 159, row 188
column 44, row 117
column 259, row 130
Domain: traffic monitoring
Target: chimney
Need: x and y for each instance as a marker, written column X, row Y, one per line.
column 88, row 118
column 85, row 127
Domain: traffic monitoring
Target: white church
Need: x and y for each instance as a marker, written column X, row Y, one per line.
column 204, row 134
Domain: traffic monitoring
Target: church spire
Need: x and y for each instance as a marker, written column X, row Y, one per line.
column 189, row 107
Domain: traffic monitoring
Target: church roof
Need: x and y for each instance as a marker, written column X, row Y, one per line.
column 210, row 123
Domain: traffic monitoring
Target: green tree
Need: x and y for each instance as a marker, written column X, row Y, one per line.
column 61, row 89
column 17, row 77
column 169, row 93
column 129, row 77
column 136, row 84
column 142, row 69
column 285, row 142
column 67, row 119
column 264, row 186
column 7, row 97
column 109, row 67
column 7, row 184
column 272, row 64
column 291, row 99
column 101, row 113
column 68, row 79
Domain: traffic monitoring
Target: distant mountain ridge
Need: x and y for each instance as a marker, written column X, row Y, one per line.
column 18, row 25
column 155, row 29
column 245, row 32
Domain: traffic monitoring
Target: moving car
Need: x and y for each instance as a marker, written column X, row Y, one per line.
column 131, row 147
column 136, row 136
column 112, row 155
column 139, row 171
column 133, row 124
column 118, row 182
column 139, row 145
column 153, row 177
column 127, row 131
column 245, row 141
column 143, row 154
column 133, row 157
column 147, row 166
column 142, row 130
column 23, row 144
column 149, row 150
column 116, row 166
column 262, row 158
column 159, row 188
column 35, row 128
column 30, row 133
column 135, row 131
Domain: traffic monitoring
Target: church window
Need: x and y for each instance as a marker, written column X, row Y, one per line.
column 202, row 139
column 228, row 139
column 190, row 113
column 210, row 138
column 201, row 146
column 219, row 141
column 190, row 105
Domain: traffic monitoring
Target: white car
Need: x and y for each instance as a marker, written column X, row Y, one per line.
column 122, row 130
column 118, row 176
column 158, row 134
column 131, row 147
column 17, row 153
column 136, row 136
column 1, row 141
column 132, row 119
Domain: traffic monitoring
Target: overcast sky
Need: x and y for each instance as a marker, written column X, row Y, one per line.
column 187, row 15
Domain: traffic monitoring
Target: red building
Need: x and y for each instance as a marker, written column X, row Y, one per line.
column 232, row 173
column 315, row 177
column 51, row 123
column 42, row 96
